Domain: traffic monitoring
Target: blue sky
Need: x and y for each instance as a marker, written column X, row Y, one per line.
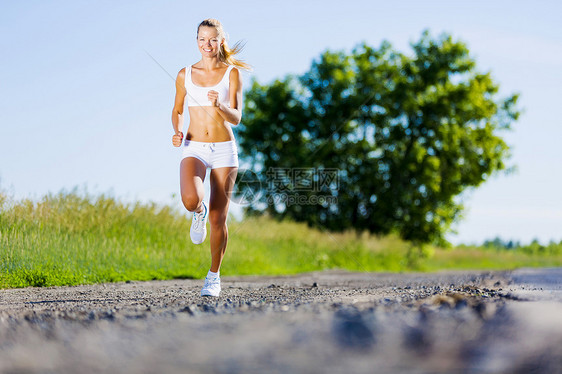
column 83, row 104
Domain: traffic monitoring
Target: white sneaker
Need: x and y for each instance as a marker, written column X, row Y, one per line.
column 198, row 230
column 212, row 287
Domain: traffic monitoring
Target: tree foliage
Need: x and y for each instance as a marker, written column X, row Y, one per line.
column 406, row 134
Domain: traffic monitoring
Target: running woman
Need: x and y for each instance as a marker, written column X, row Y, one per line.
column 213, row 89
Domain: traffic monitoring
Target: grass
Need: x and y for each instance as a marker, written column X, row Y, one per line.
column 71, row 238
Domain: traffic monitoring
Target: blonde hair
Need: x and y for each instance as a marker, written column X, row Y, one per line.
column 226, row 54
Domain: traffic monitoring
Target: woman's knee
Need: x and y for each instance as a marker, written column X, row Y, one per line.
column 217, row 219
column 190, row 202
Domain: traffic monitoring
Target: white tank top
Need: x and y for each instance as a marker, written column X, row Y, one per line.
column 197, row 95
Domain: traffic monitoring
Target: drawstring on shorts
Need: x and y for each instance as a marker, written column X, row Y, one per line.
column 210, row 145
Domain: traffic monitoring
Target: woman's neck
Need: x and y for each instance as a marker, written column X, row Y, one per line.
column 210, row 63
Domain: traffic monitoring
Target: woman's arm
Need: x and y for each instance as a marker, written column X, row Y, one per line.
column 177, row 112
column 234, row 113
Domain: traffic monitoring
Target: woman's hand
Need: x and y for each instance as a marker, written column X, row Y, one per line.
column 177, row 138
column 213, row 97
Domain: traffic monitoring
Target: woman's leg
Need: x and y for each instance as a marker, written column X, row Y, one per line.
column 222, row 183
column 192, row 176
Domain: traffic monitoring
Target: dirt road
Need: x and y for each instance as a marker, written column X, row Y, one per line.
column 327, row 322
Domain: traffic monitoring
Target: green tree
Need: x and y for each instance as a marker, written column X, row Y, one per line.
column 407, row 134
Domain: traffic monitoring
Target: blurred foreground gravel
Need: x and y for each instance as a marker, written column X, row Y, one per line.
column 325, row 322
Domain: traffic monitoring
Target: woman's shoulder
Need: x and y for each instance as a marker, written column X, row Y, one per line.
column 234, row 71
column 181, row 75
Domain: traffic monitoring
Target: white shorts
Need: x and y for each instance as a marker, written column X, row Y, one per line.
column 213, row 155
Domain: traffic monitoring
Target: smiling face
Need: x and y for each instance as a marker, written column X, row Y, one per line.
column 209, row 41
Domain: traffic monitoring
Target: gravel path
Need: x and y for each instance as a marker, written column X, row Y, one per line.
column 325, row 322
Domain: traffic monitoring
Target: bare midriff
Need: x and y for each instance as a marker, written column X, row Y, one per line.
column 207, row 125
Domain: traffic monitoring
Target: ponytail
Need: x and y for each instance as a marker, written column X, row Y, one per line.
column 227, row 55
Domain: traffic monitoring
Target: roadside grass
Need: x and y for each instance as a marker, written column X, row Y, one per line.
column 73, row 238
column 477, row 258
